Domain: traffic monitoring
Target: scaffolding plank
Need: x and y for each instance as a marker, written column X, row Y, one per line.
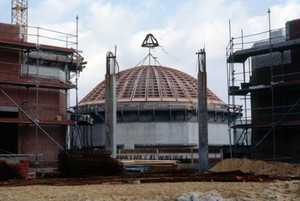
column 32, row 46
column 269, row 124
column 241, row 56
column 32, row 83
column 28, row 121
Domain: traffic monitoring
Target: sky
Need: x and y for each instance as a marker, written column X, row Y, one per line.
column 182, row 27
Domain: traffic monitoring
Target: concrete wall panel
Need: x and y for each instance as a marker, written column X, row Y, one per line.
column 218, row 134
column 152, row 133
column 159, row 133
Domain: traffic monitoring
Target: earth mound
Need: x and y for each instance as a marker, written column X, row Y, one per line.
column 258, row 167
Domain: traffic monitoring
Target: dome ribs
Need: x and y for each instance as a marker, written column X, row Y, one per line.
column 97, row 93
column 152, row 84
column 166, row 86
column 178, row 85
column 190, row 86
column 139, row 93
column 154, row 88
column 212, row 98
column 122, row 83
column 128, row 87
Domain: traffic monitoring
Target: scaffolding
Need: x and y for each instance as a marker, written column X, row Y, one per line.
column 262, row 77
column 35, row 80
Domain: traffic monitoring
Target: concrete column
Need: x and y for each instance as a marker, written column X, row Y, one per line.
column 110, row 105
column 202, row 112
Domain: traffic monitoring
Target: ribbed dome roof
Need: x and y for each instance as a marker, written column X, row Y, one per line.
column 151, row 84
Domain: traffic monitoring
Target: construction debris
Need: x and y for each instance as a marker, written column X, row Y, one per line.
column 87, row 163
column 14, row 170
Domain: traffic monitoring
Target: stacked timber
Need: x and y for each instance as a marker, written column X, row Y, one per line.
column 152, row 165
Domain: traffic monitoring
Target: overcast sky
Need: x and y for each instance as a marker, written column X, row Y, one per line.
column 182, row 27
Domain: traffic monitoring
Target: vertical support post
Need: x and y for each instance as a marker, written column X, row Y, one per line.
column 74, row 132
column 272, row 87
column 202, row 112
column 76, row 80
column 37, row 83
column 192, row 156
column 110, row 104
column 229, row 75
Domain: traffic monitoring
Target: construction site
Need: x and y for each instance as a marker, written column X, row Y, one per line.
column 150, row 113
column 263, row 82
column 35, row 84
column 148, row 123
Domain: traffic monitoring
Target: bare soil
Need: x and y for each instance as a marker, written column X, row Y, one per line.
column 171, row 191
column 258, row 167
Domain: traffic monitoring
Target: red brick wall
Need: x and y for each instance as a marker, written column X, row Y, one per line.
column 294, row 29
column 45, row 146
column 51, row 102
column 50, row 106
column 9, row 56
column 48, row 102
column 9, row 32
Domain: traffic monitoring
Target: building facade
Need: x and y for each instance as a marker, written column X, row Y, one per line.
column 273, row 91
column 34, row 84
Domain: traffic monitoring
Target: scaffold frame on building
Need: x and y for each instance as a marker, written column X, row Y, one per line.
column 260, row 68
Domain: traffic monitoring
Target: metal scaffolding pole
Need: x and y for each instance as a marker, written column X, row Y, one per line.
column 272, row 87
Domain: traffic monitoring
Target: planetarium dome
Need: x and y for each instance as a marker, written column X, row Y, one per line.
column 151, row 84
column 156, row 106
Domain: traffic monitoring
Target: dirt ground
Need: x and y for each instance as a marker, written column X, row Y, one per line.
column 281, row 191
column 258, row 167
column 228, row 191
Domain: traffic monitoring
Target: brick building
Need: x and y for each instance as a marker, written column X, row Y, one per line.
column 272, row 88
column 34, row 83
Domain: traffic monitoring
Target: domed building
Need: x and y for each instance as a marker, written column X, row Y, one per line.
column 156, row 107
